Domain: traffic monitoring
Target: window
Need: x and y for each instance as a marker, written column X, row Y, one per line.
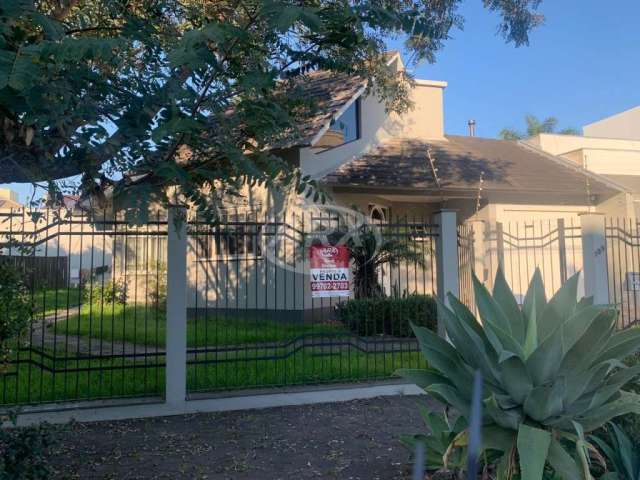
column 236, row 236
column 344, row 129
column 378, row 214
column 140, row 253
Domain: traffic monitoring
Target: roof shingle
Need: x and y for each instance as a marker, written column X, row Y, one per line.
column 507, row 166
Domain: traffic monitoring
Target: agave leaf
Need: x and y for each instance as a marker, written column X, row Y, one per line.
column 584, row 302
column 545, row 361
column 465, row 315
column 436, row 423
column 563, row 463
column 532, row 307
column 451, row 396
column 602, row 393
column 471, row 323
column 627, row 452
column 470, row 346
column 590, row 345
column 627, row 403
column 578, row 324
column 498, row 438
column 544, row 402
column 490, row 311
column 510, row 418
column 576, row 384
column 516, row 379
column 460, row 424
column 533, row 448
column 422, row 377
column 442, row 357
column 460, row 440
column 624, row 376
column 559, row 308
column 496, row 325
column 621, row 345
column 582, row 449
column 608, row 451
column 504, row 296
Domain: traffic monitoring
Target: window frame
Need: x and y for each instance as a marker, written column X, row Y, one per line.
column 209, row 244
column 357, row 104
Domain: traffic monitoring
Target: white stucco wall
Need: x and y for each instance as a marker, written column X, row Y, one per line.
column 621, row 125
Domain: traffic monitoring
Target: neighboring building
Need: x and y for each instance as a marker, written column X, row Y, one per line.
column 624, row 125
column 8, row 199
column 610, row 148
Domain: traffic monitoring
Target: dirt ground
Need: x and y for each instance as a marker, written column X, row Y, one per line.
column 352, row 440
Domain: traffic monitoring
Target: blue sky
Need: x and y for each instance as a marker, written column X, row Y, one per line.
column 582, row 65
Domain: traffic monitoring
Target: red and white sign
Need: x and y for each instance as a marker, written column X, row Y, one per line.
column 329, row 271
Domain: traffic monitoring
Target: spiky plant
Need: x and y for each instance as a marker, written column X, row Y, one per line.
column 552, row 371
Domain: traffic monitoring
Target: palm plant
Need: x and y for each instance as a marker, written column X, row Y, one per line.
column 551, row 371
column 536, row 127
column 372, row 248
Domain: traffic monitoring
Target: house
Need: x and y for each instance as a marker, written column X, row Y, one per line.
column 404, row 167
column 397, row 169
column 609, row 147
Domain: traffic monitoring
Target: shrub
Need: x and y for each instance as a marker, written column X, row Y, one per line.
column 16, row 310
column 109, row 293
column 388, row 315
column 24, row 453
column 551, row 373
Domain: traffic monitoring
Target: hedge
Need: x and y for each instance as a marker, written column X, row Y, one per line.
column 388, row 315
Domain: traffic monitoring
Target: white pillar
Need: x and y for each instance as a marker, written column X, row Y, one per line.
column 594, row 257
column 447, row 257
column 176, row 341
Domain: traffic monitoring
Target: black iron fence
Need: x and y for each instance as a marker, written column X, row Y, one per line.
column 254, row 321
column 99, row 324
column 97, row 328
column 623, row 260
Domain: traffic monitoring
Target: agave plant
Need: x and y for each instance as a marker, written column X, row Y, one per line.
column 551, row 370
column 622, row 453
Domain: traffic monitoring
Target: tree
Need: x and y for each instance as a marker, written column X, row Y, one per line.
column 536, row 127
column 137, row 95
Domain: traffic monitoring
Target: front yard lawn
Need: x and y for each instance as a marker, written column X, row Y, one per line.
column 146, row 325
column 47, row 302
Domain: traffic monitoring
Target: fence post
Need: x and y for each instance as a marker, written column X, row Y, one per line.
column 594, row 257
column 176, row 334
column 479, row 250
column 500, row 244
column 562, row 251
column 447, row 258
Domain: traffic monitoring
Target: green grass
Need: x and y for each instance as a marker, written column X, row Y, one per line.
column 112, row 378
column 47, row 302
column 145, row 326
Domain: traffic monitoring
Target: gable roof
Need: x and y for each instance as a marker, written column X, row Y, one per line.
column 507, row 167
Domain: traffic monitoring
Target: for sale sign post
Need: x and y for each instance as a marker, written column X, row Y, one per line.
column 329, row 271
